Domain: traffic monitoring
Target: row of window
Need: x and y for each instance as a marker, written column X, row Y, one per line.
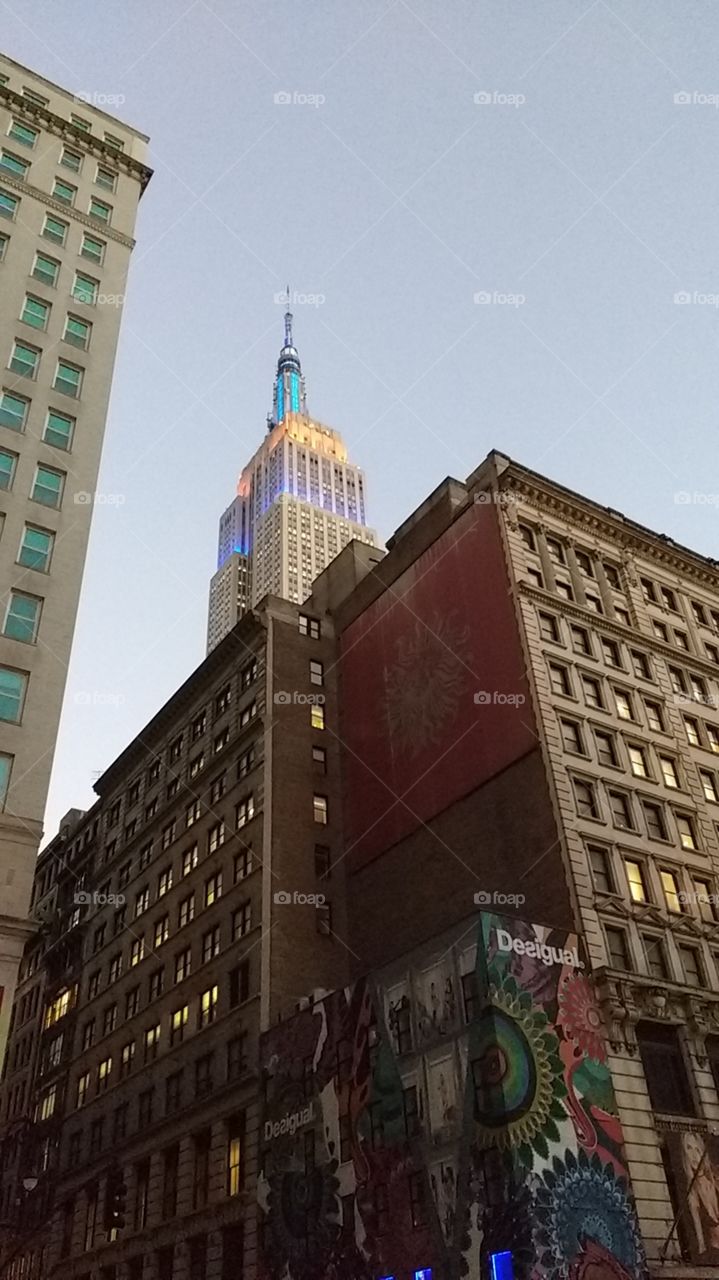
column 45, row 268
column 80, row 123
column 65, row 192
column 601, row 802
column 27, row 135
column 25, row 361
column 658, row 956
column 122, row 1064
column 678, row 890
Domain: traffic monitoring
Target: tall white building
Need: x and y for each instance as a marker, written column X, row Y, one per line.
column 299, row 502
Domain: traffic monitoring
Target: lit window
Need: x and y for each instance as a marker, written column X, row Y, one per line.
column 638, row 761
column 637, row 883
column 670, row 885
column 320, row 809
column 623, row 700
column 317, row 716
column 687, row 832
column 669, row 772
column 208, row 1006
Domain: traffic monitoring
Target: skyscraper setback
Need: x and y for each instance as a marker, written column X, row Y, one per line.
column 71, row 177
column 299, row 502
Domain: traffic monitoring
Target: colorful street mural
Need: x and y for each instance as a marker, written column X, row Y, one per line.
column 694, row 1160
column 460, row 1106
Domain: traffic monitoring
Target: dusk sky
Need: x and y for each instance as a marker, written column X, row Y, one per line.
column 500, row 222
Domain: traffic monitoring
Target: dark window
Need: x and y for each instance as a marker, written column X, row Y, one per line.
column 169, row 1182
column 233, row 1252
column 410, row 1101
column 417, row 1199
column 145, row 1105
column 142, row 1176
column 198, row 1257
column 201, row 1170
column 203, row 1075
column 236, row 1056
column 664, row 1069
column 617, row 948
column 322, row 861
column 166, row 1263
column 601, row 868
column 470, row 995
column 239, row 983
column 173, row 1092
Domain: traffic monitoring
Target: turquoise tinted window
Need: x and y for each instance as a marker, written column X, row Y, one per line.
column 24, row 359
column 36, row 313
column 13, row 164
column 20, row 132
column 12, row 694
column 47, row 487
column 58, row 429
column 13, row 411
column 67, row 379
column 36, row 548
column 22, row 617
column 5, row 771
column 7, row 468
column 8, row 205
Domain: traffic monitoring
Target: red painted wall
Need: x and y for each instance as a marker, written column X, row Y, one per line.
column 410, row 667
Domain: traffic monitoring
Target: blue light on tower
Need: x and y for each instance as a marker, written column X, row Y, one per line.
column 425, row 1273
column 501, row 1266
column 295, row 392
column 280, row 399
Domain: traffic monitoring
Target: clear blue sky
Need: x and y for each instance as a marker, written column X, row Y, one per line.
column 398, row 198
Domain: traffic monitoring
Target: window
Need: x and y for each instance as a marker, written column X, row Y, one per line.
column 606, row 747
column 244, row 811
column 100, row 210
column 248, row 675
column 211, row 944
column 586, row 799
column 241, row 921
column 670, row 885
column 320, row 810
column 13, row 687
column 145, row 852
column 308, row 626
column 168, row 835
column 221, row 741
column 183, row 964
column 127, row 1058
column 664, row 1069
column 247, row 714
column 71, row 160
column 22, row 617
column 77, row 332
column 132, row 1002
column 564, row 589
column 637, row 880
column 203, row 1075
column 201, row 1171
column 624, row 705
column 23, row 133
column 47, row 486
column 235, row 1154
column 709, row 786
column 170, row 1164
column 323, row 919
column 68, row 379
column 85, row 289
column 572, row 737
column 638, row 760
column 104, row 1071
column 600, row 863
column 592, row 692
column 109, row 1019
column 317, row 672
column 323, row 864
column 197, row 763
column 190, row 859
column 7, row 468
column 4, row 242
column 215, row 837
column 610, row 650
column 186, row 910
column 217, row 788
column 115, row 968
column 711, row 731
column 549, row 627
column 35, row 313
column 178, row 1022
column 13, row 411
column 692, row 965
column 677, row 680
column 81, row 1088
column 164, row 882
column 137, row 951
column 236, row 1056
column 242, row 864
column 222, row 701
column 152, row 1042
column 535, row 576
column 654, row 818
column 621, row 809
column 655, row 716
column 8, row 205
column 655, row 956
column 162, row 930
column 208, row 1006
column 193, row 813
column 54, row 229
column 142, row 901
column 213, row 888
column 239, row 984
column 669, row 772
column 687, row 831
column 705, row 900
column 617, row 948
column 92, row 248
column 88, row 1034
column 105, row 178
column 24, row 359
column 145, row 1108
column 63, row 191
column 14, row 164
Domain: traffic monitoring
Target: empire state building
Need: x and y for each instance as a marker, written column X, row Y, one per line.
column 299, row 502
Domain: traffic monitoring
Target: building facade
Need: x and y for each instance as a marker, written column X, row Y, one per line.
column 299, row 502
column 70, row 181
column 191, row 907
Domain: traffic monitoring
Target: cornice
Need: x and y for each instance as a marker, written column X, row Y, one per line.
column 87, row 141
column 67, row 210
column 614, row 526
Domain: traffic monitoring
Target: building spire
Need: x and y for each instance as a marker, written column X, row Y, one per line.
column 289, row 390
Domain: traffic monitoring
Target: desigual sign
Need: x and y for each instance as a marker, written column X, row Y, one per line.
column 290, row 1123
column 539, row 950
